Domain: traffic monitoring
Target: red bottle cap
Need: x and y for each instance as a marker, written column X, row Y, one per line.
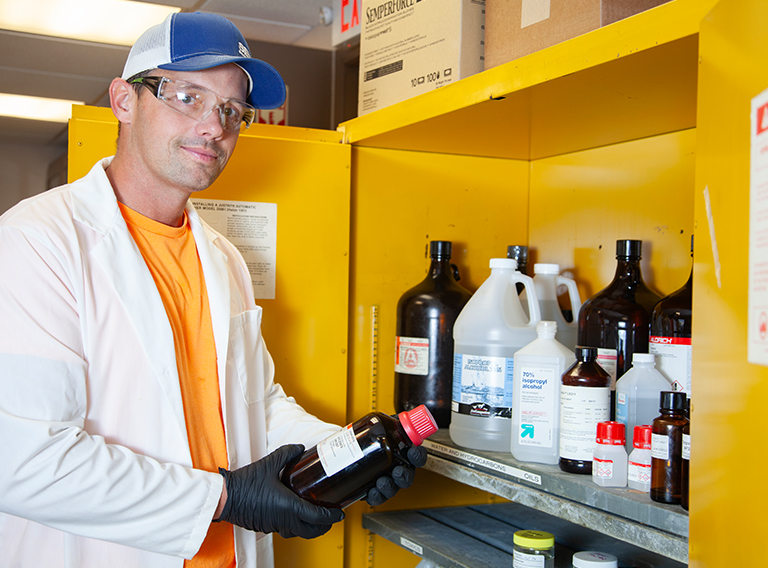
column 642, row 437
column 418, row 424
column 611, row 433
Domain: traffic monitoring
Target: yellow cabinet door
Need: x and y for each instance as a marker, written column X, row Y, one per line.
column 729, row 418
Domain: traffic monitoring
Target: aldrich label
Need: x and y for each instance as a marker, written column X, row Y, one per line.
column 673, row 360
column 482, row 386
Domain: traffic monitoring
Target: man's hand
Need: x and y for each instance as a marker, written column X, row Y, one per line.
column 402, row 477
column 257, row 500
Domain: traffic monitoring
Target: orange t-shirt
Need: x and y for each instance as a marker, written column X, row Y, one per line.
column 171, row 256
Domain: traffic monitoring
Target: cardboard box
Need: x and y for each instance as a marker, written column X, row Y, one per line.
column 408, row 47
column 515, row 28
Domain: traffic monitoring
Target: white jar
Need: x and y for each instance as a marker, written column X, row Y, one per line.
column 594, row 560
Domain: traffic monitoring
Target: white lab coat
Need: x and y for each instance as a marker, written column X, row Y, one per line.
column 95, row 468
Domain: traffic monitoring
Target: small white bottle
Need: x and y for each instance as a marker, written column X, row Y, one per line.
column 639, row 461
column 536, row 375
column 637, row 393
column 609, row 463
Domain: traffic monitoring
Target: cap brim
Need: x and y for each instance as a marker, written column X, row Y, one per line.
column 267, row 86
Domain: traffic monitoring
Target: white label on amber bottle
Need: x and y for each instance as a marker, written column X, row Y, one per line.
column 660, row 446
column 673, row 360
column 608, row 359
column 339, row 451
column 581, row 408
column 687, row 447
column 412, row 355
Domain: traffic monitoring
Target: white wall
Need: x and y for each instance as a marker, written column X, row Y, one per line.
column 24, row 171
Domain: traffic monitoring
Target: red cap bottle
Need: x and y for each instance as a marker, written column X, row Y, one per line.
column 342, row 468
column 642, row 437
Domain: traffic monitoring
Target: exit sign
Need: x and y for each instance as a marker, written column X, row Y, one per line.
column 346, row 20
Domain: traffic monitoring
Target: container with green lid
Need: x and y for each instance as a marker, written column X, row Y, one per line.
column 534, row 549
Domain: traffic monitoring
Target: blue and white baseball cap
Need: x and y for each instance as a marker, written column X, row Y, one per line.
column 197, row 41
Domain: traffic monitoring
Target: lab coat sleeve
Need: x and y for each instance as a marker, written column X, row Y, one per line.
column 52, row 471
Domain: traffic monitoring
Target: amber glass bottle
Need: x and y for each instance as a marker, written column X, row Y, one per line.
column 670, row 341
column 342, row 468
column 424, row 344
column 667, row 449
column 616, row 319
column 584, row 402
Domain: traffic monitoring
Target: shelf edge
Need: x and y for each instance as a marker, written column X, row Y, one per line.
column 661, row 542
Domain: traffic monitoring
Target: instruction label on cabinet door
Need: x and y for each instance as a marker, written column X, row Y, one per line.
column 757, row 335
column 252, row 228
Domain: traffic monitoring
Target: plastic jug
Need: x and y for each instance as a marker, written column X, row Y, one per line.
column 536, row 396
column 546, row 279
column 490, row 329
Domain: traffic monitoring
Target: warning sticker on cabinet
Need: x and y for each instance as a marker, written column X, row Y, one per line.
column 757, row 334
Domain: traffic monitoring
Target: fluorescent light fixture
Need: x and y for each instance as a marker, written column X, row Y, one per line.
column 118, row 22
column 36, row 108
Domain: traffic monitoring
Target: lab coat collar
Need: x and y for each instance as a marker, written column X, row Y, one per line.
column 95, row 206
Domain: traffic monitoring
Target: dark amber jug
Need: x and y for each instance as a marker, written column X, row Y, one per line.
column 616, row 320
column 424, row 344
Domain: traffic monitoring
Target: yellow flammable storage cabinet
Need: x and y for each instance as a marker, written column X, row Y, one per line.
column 637, row 130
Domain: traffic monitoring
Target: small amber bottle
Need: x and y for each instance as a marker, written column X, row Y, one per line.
column 342, row 468
column 667, row 449
column 585, row 400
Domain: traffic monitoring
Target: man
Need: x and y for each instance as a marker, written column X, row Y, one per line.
column 137, row 401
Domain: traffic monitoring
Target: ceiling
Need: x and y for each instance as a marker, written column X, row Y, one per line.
column 81, row 71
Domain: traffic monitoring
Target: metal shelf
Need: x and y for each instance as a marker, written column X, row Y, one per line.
column 481, row 536
column 627, row 515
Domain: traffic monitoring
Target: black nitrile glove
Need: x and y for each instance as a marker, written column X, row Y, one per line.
column 257, row 500
column 402, row 477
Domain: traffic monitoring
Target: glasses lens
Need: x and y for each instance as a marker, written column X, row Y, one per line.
column 198, row 102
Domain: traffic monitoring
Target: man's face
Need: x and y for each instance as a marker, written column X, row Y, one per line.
column 172, row 149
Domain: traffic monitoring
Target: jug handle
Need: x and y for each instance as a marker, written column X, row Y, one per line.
column 534, row 310
column 573, row 293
